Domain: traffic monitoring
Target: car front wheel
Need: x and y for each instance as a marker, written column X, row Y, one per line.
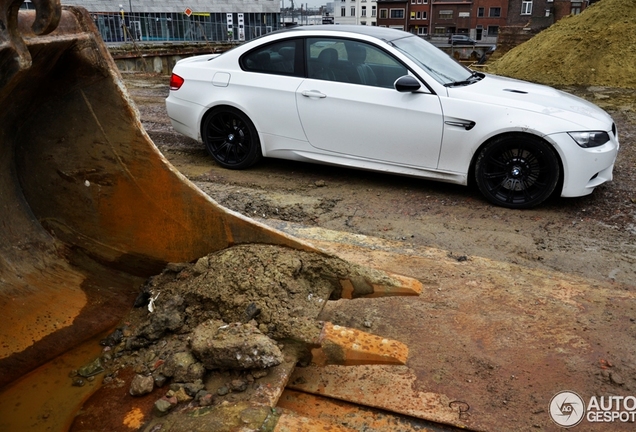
column 231, row 138
column 517, row 171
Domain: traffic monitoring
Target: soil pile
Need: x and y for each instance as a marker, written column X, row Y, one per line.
column 217, row 328
column 597, row 47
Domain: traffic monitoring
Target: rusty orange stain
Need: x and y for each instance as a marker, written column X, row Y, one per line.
column 134, row 418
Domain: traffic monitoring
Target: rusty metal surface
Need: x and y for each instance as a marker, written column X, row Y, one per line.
column 498, row 339
column 388, row 388
column 291, row 421
column 355, row 417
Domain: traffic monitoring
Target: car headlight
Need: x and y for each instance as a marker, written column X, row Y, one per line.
column 590, row 139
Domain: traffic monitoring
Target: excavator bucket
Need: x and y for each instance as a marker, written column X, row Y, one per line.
column 88, row 204
column 89, row 208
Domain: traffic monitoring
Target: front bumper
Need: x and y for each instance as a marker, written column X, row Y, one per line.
column 584, row 168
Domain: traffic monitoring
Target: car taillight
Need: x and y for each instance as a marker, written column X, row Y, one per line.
column 176, row 82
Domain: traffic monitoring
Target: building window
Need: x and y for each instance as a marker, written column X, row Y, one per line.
column 412, row 1
column 446, row 14
column 383, row 13
column 424, row 15
column 480, row 12
column 526, row 7
column 419, row 15
column 494, row 12
column 353, row 11
column 422, row 30
column 397, row 13
column 343, row 11
column 373, row 11
column 576, row 8
column 493, row 30
column 364, row 11
column 440, row 30
column 419, row 1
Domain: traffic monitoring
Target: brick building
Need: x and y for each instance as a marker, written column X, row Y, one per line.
column 482, row 20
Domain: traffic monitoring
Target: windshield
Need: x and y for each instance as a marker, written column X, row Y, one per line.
column 436, row 62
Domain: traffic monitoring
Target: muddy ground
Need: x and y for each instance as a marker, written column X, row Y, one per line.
column 517, row 304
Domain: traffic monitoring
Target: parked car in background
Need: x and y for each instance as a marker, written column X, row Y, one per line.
column 461, row 40
column 381, row 99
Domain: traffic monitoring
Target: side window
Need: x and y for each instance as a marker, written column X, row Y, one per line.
column 353, row 62
column 278, row 58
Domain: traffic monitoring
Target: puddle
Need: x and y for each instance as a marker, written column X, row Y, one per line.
column 45, row 400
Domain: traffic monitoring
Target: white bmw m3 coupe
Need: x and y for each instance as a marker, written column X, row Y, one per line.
column 381, row 99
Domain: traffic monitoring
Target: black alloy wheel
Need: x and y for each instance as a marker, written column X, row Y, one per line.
column 518, row 171
column 231, row 138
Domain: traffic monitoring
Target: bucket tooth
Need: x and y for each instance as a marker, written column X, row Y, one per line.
column 346, row 346
column 357, row 287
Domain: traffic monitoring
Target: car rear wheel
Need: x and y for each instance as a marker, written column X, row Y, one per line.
column 231, row 138
column 517, row 171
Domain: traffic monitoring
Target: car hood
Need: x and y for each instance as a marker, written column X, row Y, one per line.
column 541, row 99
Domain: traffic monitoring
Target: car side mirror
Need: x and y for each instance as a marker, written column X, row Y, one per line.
column 407, row 84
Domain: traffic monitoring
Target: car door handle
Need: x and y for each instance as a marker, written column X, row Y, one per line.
column 313, row 93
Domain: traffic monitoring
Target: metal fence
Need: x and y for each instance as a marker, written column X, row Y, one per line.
column 199, row 27
column 165, row 26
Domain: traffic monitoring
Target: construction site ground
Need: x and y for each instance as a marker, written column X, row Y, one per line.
column 517, row 305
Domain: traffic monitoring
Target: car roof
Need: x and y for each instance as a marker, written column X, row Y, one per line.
column 382, row 33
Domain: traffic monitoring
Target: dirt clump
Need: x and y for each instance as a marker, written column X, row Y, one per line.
column 214, row 327
column 596, row 47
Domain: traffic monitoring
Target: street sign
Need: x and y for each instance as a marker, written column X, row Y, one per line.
column 187, row 11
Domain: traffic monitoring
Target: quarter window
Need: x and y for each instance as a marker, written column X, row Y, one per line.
column 277, row 58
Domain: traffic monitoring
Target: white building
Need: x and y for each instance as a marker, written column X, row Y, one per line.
column 357, row 12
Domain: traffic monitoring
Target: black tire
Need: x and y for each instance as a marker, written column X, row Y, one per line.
column 231, row 138
column 518, row 171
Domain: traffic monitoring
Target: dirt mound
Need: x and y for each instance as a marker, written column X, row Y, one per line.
column 597, row 47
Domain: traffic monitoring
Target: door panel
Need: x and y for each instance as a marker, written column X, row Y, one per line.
column 371, row 122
